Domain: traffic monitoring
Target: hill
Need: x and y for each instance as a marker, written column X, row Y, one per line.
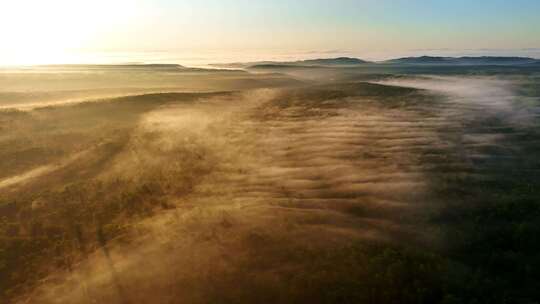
column 333, row 61
column 483, row 60
column 320, row 62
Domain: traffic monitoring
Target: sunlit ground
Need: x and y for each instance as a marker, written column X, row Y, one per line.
column 158, row 184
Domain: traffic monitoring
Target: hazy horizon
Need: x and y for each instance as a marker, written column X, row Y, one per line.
column 177, row 151
column 208, row 31
column 204, row 59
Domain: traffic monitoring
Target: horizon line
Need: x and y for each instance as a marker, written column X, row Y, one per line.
column 209, row 64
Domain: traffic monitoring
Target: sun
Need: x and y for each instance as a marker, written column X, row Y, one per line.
column 42, row 32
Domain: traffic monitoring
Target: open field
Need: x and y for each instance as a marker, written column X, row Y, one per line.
column 161, row 184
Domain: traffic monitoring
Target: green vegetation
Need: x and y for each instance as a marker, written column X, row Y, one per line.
column 337, row 191
column 57, row 219
column 490, row 223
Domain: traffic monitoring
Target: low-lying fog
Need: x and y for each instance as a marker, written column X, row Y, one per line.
column 495, row 96
column 271, row 192
column 34, row 87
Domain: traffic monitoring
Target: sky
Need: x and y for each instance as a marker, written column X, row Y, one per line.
column 63, row 31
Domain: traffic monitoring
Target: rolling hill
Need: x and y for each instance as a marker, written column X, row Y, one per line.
column 484, row 60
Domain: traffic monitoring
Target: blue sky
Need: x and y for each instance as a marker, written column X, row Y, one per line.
column 367, row 28
column 371, row 24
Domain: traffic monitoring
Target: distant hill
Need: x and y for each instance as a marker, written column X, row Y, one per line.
column 321, row 62
column 355, row 62
column 283, row 66
column 333, row 61
column 136, row 67
column 483, row 60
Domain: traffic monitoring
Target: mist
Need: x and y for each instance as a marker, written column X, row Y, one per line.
column 495, row 96
column 252, row 188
